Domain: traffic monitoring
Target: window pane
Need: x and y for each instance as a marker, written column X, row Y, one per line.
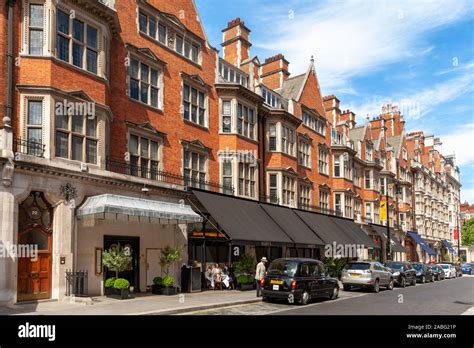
column 36, row 42
column 202, row 116
column 194, row 113
column 77, row 54
column 63, row 22
column 226, row 108
column 179, row 44
column 91, row 151
column 77, row 124
column 202, row 163
column 186, row 111
column 144, row 147
column 62, row 145
column 91, row 37
column 154, row 77
column 134, row 89
column 187, row 49
column 62, row 121
column 36, row 16
column 63, row 48
column 186, row 93
column 77, row 148
column 133, row 146
column 35, row 112
column 162, row 35
column 78, row 30
column 154, row 97
column 134, row 68
column 92, row 61
column 35, row 237
column 194, row 94
column 144, row 92
column 154, row 151
column 92, row 127
column 144, row 72
column 201, row 99
column 152, row 28
column 35, row 135
column 186, row 159
column 227, row 168
column 143, row 22
column 194, row 54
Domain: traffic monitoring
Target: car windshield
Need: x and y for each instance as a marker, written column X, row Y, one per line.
column 283, row 267
column 357, row 265
column 395, row 265
column 418, row 267
column 445, row 266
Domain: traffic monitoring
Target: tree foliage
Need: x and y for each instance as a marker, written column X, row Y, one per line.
column 116, row 259
column 169, row 255
column 467, row 233
column 245, row 265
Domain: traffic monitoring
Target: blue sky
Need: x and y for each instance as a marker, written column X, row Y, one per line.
column 416, row 54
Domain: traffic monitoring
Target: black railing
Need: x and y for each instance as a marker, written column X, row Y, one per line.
column 27, row 147
column 165, row 177
column 76, row 283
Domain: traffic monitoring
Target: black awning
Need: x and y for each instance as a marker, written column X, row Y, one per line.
column 243, row 221
column 382, row 232
column 292, row 225
column 324, row 227
column 355, row 232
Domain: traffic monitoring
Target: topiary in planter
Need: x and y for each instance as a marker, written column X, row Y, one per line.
column 109, row 283
column 168, row 281
column 122, row 285
column 157, row 286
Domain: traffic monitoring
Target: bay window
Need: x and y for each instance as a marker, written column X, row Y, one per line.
column 34, row 128
column 338, row 203
column 227, row 178
column 288, row 190
column 288, row 141
column 348, row 206
column 247, row 183
column 273, row 188
column 36, row 29
column 245, row 121
column 337, row 166
column 226, row 116
column 272, row 137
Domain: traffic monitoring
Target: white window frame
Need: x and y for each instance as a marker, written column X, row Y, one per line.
column 150, row 168
column 324, row 201
column 288, row 191
column 304, row 195
column 200, row 105
column 149, row 84
column 288, row 140
column 323, row 162
column 304, row 152
column 201, row 172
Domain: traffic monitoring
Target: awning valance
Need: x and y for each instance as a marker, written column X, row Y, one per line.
column 131, row 206
column 416, row 237
column 355, row 232
column 449, row 246
column 382, row 232
column 243, row 220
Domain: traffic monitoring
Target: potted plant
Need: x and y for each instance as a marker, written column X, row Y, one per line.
column 122, row 287
column 157, row 287
column 168, row 256
column 244, row 272
column 168, row 286
column 116, row 260
column 109, row 286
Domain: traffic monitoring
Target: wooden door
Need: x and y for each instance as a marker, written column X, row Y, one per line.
column 35, row 273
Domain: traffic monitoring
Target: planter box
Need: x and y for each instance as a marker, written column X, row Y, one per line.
column 123, row 294
column 157, row 289
column 245, row 286
column 169, row 291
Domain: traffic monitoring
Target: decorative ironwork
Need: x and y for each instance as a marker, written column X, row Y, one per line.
column 68, row 192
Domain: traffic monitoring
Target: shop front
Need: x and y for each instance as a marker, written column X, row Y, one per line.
column 396, row 247
column 424, row 252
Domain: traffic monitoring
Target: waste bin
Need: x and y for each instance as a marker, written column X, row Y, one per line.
column 190, row 279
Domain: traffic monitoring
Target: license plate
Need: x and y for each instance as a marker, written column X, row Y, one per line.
column 279, row 282
column 355, row 275
column 276, row 287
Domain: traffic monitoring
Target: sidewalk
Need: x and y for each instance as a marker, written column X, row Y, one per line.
column 142, row 304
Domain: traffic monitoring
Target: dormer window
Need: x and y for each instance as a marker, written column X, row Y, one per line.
column 232, row 74
column 271, row 99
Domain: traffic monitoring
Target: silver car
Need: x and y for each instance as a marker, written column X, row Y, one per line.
column 369, row 274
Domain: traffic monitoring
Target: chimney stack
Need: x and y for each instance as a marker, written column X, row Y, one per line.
column 274, row 71
column 236, row 44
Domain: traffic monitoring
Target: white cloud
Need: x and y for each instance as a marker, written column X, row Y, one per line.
column 351, row 38
column 467, row 194
column 461, row 143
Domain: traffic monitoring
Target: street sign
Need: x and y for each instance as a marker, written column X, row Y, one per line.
column 383, row 211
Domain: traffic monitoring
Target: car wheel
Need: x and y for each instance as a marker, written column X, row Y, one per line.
column 376, row 287
column 403, row 283
column 304, row 298
column 335, row 293
column 346, row 287
column 390, row 285
column 423, row 280
column 266, row 299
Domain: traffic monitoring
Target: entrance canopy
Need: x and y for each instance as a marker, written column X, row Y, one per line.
column 382, row 232
column 416, row 237
column 131, row 206
column 243, row 220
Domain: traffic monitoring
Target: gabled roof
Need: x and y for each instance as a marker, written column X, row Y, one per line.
column 396, row 142
column 291, row 87
column 357, row 133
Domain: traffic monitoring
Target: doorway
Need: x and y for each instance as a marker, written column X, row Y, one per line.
column 35, row 248
column 153, row 268
column 132, row 246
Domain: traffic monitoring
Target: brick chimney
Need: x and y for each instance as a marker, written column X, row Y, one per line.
column 349, row 117
column 333, row 112
column 274, row 71
column 236, row 44
column 394, row 120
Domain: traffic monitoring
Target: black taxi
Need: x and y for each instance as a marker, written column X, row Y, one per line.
column 298, row 280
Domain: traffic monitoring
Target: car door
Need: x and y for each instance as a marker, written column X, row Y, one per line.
column 381, row 273
column 314, row 280
column 305, row 278
column 410, row 272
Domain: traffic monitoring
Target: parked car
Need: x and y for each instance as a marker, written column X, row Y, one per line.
column 438, row 272
column 467, row 268
column 298, row 280
column 449, row 270
column 403, row 273
column 370, row 275
column 457, row 266
column 423, row 272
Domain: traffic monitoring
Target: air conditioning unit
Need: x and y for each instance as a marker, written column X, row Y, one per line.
column 84, row 167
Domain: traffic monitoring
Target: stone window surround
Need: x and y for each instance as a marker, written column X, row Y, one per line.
column 48, row 128
column 280, row 174
column 279, row 137
column 50, row 32
column 151, row 136
column 200, row 88
column 234, row 101
column 235, row 160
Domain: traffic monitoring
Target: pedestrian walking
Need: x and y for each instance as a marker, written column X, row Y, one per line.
column 260, row 274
